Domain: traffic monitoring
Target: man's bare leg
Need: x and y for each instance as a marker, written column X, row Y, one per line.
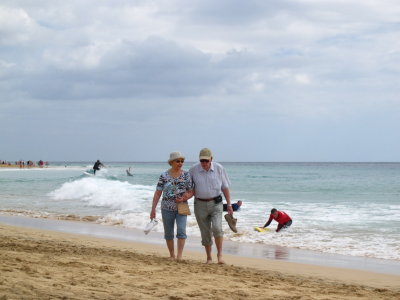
column 208, row 252
column 218, row 244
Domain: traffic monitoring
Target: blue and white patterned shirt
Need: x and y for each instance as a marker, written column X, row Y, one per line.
column 172, row 188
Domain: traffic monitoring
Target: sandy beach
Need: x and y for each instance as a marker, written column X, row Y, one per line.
column 14, row 166
column 41, row 264
column 6, row 166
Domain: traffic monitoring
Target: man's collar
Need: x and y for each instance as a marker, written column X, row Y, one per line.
column 210, row 169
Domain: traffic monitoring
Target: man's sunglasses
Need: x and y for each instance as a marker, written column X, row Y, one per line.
column 180, row 161
column 204, row 160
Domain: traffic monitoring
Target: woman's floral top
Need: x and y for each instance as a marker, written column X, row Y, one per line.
column 173, row 187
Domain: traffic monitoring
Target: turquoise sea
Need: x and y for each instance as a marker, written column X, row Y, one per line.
column 341, row 208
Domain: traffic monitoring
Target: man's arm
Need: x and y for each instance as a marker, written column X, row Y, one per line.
column 268, row 222
column 280, row 226
column 227, row 196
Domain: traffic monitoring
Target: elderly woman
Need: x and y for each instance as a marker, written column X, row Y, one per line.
column 173, row 185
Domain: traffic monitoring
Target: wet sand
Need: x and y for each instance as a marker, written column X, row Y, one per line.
column 75, row 224
column 42, row 264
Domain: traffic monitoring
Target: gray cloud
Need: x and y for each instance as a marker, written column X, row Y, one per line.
column 229, row 71
column 153, row 68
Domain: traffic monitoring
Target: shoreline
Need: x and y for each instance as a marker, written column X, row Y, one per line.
column 14, row 166
column 50, row 264
column 235, row 249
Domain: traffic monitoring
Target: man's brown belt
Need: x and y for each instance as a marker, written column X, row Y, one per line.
column 205, row 199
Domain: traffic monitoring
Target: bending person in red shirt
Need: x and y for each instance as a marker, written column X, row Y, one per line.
column 281, row 217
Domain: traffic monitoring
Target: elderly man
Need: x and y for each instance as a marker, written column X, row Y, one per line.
column 210, row 181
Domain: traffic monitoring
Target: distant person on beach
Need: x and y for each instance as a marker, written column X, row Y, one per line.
column 235, row 206
column 96, row 166
column 174, row 185
column 283, row 219
column 210, row 182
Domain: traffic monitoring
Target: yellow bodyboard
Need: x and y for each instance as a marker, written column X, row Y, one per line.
column 260, row 229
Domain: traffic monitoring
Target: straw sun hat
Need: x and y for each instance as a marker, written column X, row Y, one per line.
column 175, row 155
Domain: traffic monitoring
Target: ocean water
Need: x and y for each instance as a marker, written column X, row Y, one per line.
column 342, row 208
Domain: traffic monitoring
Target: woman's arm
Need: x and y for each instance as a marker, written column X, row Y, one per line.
column 186, row 196
column 156, row 197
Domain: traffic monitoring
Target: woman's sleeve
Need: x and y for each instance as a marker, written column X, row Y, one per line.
column 189, row 182
column 161, row 183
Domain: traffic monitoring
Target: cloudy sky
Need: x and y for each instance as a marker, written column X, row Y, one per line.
column 254, row 80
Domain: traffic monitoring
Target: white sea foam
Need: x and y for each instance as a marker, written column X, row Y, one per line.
column 106, row 193
column 324, row 231
column 315, row 225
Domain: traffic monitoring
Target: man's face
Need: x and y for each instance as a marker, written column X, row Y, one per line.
column 206, row 163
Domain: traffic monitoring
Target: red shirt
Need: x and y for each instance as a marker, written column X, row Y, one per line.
column 281, row 219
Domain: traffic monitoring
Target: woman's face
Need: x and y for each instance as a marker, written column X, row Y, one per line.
column 178, row 163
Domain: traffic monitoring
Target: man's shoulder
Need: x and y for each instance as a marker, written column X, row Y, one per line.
column 217, row 167
column 195, row 167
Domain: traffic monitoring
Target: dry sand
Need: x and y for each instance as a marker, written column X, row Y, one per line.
column 39, row 264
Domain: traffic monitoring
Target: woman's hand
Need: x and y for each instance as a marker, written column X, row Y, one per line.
column 153, row 214
column 185, row 197
column 180, row 199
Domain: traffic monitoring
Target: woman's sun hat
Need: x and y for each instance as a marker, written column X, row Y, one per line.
column 175, row 155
